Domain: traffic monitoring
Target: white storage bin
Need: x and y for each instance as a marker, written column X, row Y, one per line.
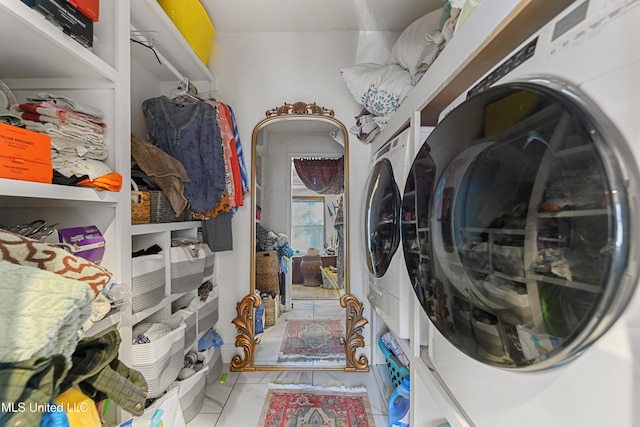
column 208, row 312
column 147, row 284
column 187, row 271
column 510, row 296
column 213, row 361
column 488, row 337
column 209, row 261
column 188, row 316
column 191, row 393
column 159, row 361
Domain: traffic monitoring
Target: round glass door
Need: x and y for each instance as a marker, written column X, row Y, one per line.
column 415, row 227
column 381, row 218
column 530, row 227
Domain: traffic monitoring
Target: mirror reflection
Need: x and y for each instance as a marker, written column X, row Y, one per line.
column 300, row 281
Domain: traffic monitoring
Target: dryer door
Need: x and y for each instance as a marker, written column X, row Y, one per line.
column 416, row 235
column 531, row 226
column 382, row 213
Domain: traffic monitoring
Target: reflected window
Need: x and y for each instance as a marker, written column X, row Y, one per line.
column 307, row 223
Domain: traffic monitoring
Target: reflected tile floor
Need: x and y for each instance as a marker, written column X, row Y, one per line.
column 268, row 351
column 239, row 400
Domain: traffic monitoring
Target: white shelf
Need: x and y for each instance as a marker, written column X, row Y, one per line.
column 140, row 229
column 147, row 15
column 37, row 190
column 29, row 41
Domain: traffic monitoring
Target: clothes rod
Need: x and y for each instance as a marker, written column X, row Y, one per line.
column 137, row 35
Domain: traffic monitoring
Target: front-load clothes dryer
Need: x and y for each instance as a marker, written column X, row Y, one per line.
column 389, row 285
column 535, row 227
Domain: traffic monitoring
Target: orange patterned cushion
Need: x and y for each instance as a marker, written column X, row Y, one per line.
column 21, row 250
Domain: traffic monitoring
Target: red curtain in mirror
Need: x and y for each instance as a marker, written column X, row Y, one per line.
column 324, row 176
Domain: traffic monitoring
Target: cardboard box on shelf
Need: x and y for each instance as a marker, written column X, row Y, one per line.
column 87, row 242
column 25, row 155
column 66, row 17
column 89, row 8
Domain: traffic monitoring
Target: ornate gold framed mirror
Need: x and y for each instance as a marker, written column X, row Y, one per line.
column 299, row 313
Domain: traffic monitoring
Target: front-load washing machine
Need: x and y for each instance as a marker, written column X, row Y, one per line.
column 385, row 214
column 535, row 229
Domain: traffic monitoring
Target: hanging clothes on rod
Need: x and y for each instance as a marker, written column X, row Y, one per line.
column 189, row 132
column 234, row 180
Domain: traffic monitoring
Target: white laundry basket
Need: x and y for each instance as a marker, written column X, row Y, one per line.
column 187, row 268
column 148, row 280
column 160, row 361
column 208, row 311
column 213, row 361
column 209, row 263
column 184, row 309
column 191, row 393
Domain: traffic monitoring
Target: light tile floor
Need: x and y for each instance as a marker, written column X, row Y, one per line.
column 238, row 402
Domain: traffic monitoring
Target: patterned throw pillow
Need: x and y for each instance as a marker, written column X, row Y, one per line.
column 379, row 88
column 21, row 250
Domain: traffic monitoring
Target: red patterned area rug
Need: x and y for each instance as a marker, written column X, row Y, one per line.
column 305, row 405
column 312, row 340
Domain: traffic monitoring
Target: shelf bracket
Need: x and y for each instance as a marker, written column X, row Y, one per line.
column 148, row 38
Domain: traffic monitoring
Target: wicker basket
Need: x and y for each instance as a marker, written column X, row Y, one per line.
column 268, row 282
column 267, row 262
column 162, row 211
column 140, row 207
column 271, row 310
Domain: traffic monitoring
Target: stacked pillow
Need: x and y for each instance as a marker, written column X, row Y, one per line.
column 381, row 88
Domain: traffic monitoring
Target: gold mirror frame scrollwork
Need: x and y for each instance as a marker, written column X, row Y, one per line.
column 244, row 322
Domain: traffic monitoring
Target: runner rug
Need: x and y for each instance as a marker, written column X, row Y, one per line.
column 306, row 405
column 312, row 340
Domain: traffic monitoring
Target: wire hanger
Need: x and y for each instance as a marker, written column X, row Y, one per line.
column 186, row 91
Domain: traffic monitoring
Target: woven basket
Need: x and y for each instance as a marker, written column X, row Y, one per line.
column 140, row 207
column 267, row 262
column 271, row 310
column 160, row 361
column 268, row 282
column 162, row 211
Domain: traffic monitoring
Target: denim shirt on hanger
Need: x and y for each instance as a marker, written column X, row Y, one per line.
column 189, row 132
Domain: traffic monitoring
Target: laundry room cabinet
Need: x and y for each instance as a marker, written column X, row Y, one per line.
column 115, row 76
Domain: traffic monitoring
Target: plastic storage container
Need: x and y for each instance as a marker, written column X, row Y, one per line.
column 259, row 315
column 397, row 371
column 191, row 19
column 399, row 404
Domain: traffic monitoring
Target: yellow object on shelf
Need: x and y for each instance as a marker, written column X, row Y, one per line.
column 192, row 21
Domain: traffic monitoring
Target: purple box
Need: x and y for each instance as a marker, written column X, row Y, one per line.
column 87, row 242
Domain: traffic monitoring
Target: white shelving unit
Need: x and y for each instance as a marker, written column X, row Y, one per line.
column 493, row 31
column 115, row 76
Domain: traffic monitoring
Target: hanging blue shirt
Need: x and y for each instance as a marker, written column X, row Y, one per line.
column 189, row 132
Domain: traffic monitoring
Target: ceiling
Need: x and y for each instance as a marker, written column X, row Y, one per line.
column 242, row 16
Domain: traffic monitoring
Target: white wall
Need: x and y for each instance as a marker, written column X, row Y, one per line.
column 259, row 71
column 276, row 174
